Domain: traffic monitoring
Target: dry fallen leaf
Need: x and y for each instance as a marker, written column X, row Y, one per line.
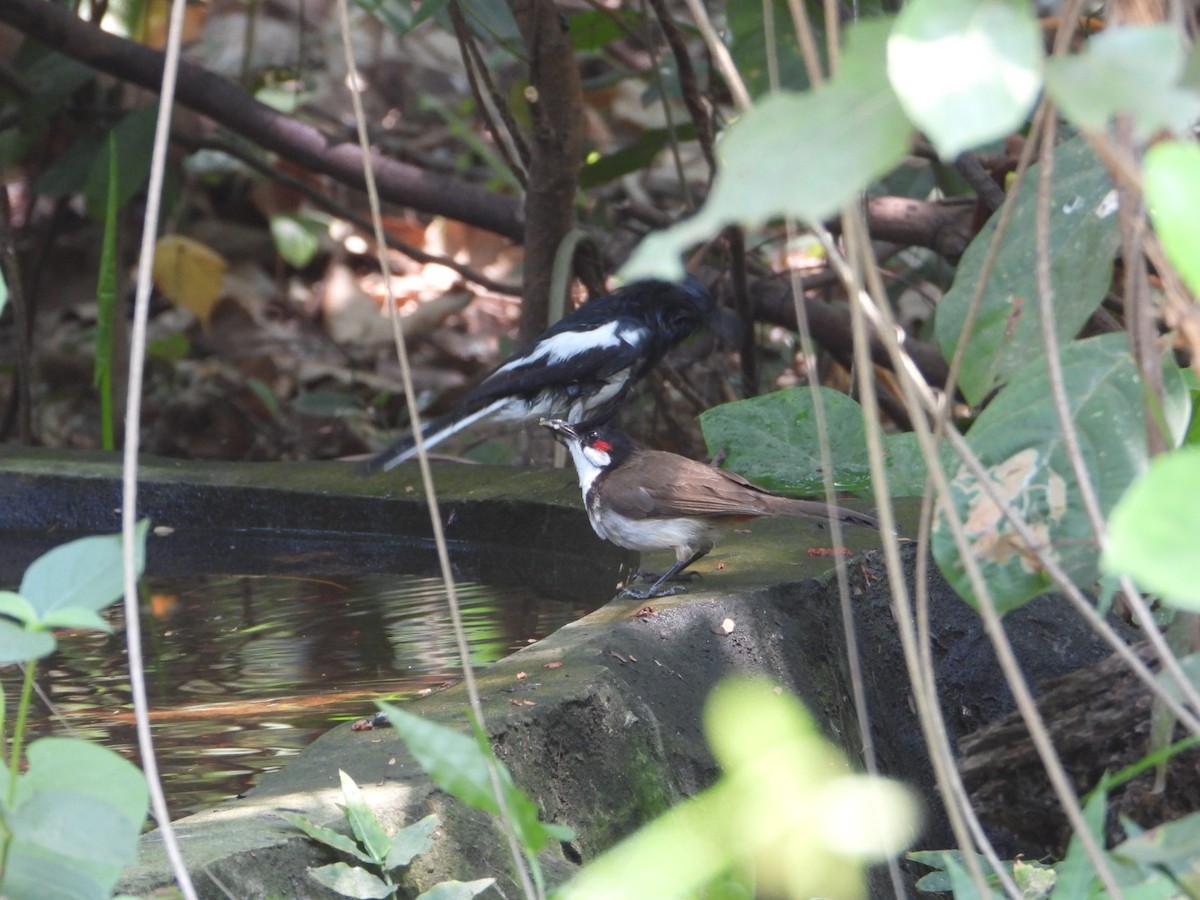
column 553, row 665
column 725, row 628
column 189, row 274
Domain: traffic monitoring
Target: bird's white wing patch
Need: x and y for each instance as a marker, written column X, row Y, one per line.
column 572, row 343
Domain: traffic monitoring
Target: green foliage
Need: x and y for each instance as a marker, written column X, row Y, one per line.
column 297, row 238
column 966, row 72
column 601, row 170
column 771, row 167
column 1007, row 336
column 70, row 823
column 773, row 441
column 1018, row 439
column 374, row 848
column 1134, row 70
column 1157, row 864
column 1173, row 194
column 1152, row 531
column 787, row 813
column 460, row 766
column 134, row 135
column 749, row 39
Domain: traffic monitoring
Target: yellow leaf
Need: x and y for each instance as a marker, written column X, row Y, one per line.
column 189, row 274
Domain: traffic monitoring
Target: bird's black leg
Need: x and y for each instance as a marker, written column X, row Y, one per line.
column 657, row 589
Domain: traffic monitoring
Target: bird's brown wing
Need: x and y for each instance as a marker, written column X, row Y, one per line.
column 663, row 484
column 658, row 484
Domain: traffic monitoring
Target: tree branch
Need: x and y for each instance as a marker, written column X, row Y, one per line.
column 210, row 95
column 830, row 326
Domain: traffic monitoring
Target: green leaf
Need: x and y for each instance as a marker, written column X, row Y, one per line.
column 772, row 167
column 457, row 890
column 363, row 822
column 411, row 841
column 85, row 573
column 459, row 765
column 594, row 29
column 76, row 819
column 18, row 644
column 631, row 158
column 296, row 238
column 323, row 835
column 1133, row 69
column 1018, row 439
column 1007, row 335
column 17, row 607
column 1152, row 531
column 1076, row 874
column 1172, row 183
column 966, row 72
column 76, row 617
column 773, row 441
column 134, row 135
column 83, row 768
column 351, row 881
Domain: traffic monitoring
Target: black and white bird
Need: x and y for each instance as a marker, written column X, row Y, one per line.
column 645, row 500
column 580, row 369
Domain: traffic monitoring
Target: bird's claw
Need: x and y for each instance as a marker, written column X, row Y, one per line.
column 653, row 576
column 650, row 593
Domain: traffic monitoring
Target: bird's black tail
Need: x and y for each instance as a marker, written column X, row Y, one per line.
column 434, row 432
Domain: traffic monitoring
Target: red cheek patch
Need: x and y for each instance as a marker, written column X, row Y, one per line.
column 602, row 445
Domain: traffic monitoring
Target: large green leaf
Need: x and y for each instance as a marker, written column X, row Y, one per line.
column 1173, row 195
column 773, row 440
column 772, row 163
column 1152, row 532
column 966, row 72
column 17, row 644
column 1007, row 335
column 1018, row 439
column 75, row 823
column 1134, row 70
column 85, row 573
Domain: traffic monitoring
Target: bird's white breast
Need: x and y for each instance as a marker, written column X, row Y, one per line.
column 683, row 535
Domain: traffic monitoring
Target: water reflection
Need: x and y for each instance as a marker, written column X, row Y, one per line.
column 244, row 671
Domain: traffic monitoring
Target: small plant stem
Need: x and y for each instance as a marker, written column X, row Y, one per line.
column 15, row 757
column 18, row 739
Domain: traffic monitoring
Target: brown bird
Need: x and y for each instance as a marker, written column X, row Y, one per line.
column 644, row 499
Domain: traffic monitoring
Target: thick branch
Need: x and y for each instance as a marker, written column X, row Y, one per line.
column 942, row 227
column 220, row 100
column 830, row 327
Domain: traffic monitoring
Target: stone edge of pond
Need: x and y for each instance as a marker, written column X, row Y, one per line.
column 599, row 722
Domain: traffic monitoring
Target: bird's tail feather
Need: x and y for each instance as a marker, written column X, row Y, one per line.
column 434, row 432
column 817, row 509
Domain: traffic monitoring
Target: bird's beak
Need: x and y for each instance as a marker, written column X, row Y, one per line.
column 563, row 430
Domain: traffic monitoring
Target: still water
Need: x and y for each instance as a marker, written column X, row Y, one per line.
column 243, row 671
